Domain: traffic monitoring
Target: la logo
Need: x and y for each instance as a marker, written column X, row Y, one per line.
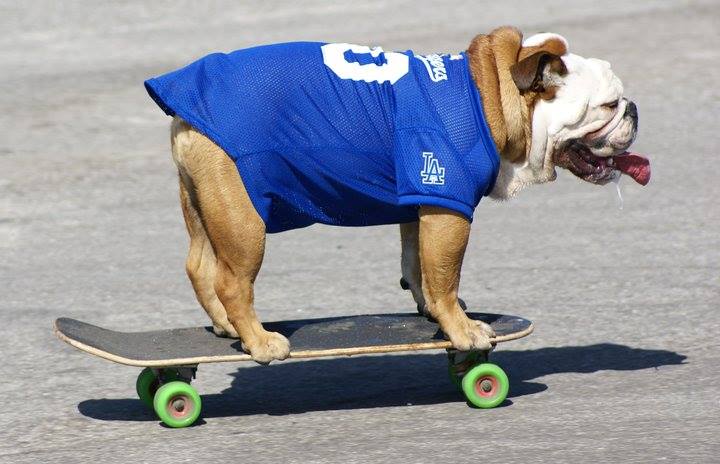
column 432, row 173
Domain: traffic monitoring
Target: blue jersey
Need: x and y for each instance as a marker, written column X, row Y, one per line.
column 340, row 134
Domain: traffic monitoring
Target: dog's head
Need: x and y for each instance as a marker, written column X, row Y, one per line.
column 581, row 120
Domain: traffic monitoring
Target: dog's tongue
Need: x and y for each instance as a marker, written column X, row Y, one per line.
column 634, row 165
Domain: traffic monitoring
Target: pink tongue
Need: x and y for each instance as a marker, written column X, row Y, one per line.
column 635, row 166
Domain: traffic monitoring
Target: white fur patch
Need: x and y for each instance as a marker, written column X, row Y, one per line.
column 539, row 39
column 576, row 111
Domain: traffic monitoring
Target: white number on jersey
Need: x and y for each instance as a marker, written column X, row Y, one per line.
column 396, row 65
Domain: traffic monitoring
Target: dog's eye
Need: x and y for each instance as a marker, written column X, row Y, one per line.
column 612, row 105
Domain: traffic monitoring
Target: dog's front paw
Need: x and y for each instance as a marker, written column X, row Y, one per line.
column 472, row 336
column 225, row 331
column 269, row 347
column 485, row 327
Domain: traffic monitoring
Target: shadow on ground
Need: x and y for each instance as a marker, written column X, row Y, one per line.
column 383, row 381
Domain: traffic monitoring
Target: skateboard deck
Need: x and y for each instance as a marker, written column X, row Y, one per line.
column 309, row 338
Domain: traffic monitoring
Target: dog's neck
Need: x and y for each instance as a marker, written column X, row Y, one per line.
column 507, row 112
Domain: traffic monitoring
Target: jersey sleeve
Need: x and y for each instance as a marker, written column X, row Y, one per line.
column 430, row 171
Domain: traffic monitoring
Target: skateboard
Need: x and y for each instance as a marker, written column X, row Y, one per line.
column 170, row 357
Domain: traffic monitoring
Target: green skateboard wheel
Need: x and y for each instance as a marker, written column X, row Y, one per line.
column 485, row 385
column 177, row 404
column 146, row 386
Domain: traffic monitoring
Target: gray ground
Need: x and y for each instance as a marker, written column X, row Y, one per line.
column 624, row 362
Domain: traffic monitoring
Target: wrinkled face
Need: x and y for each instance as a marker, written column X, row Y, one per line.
column 590, row 124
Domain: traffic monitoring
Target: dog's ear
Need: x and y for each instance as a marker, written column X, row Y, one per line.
column 535, row 73
column 539, row 63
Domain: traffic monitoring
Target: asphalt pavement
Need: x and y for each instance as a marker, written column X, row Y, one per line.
column 623, row 365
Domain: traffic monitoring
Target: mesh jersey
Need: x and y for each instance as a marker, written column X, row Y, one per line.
column 340, row 134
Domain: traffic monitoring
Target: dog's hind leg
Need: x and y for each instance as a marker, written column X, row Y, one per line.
column 237, row 235
column 201, row 263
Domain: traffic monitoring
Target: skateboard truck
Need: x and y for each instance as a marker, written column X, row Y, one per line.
column 184, row 373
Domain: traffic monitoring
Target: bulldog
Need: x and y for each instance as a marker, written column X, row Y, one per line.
column 278, row 137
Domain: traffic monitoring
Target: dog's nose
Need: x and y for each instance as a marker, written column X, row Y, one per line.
column 631, row 110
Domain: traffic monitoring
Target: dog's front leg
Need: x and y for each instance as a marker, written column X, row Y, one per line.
column 443, row 238
column 410, row 265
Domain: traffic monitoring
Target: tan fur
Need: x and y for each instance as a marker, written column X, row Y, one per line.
column 236, row 233
column 200, row 266
column 410, row 261
column 227, row 236
column 552, row 45
column 508, row 113
column 443, row 239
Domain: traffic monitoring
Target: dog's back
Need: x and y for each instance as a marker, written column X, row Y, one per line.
column 339, row 134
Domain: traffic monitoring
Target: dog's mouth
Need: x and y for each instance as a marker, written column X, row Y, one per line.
column 579, row 160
